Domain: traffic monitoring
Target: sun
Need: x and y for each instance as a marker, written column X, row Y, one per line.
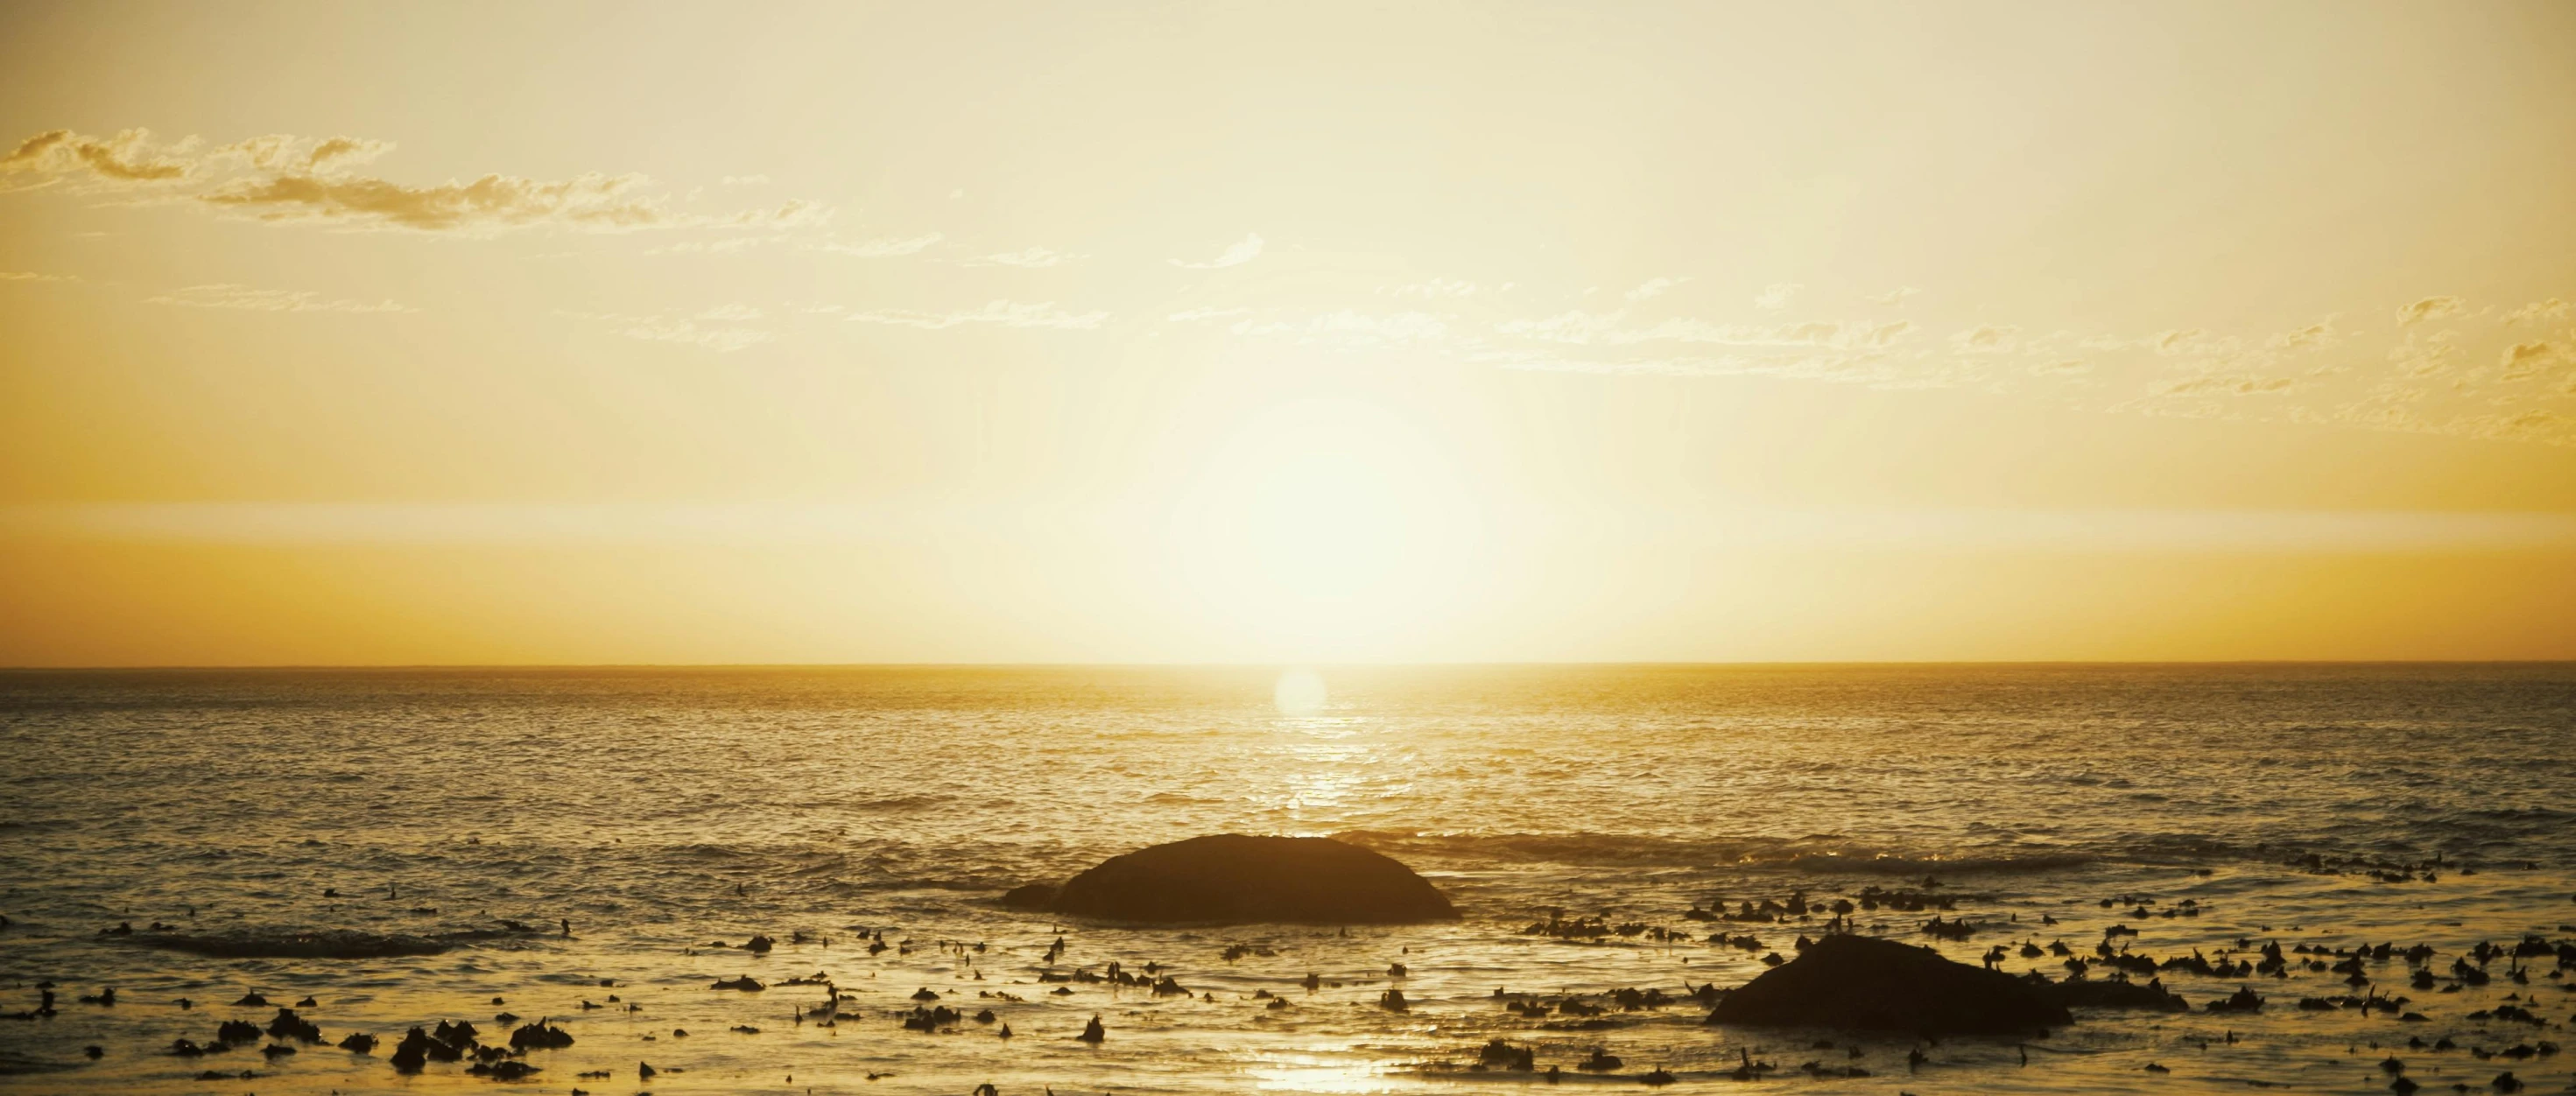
column 1323, row 528
column 1299, row 692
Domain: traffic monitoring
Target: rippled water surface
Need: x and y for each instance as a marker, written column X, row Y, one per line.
column 662, row 811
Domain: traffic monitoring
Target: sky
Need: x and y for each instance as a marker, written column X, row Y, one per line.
column 1299, row 333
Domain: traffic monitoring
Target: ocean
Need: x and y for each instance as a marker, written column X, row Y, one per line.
column 591, row 846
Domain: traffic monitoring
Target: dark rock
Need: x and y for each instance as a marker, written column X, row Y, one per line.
column 1032, row 896
column 1864, row 983
column 745, row 983
column 359, row 1042
column 540, row 1036
column 282, row 944
column 2243, row 1000
column 288, row 1025
column 502, row 1071
column 1500, row 1053
column 413, row 1052
column 2075, row 993
column 1238, row 879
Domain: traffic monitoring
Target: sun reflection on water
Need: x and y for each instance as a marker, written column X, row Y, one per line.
column 1312, row 1072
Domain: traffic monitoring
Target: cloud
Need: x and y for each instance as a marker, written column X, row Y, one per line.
column 1202, row 315
column 2065, row 367
column 2420, row 358
column 1987, row 339
column 1029, row 257
column 1243, row 251
column 722, row 340
column 2430, row 308
column 2523, row 361
column 1776, row 296
column 883, row 248
column 2316, row 336
column 1653, row 288
column 2536, row 424
column 228, row 295
column 2242, row 384
column 1349, row 330
column 996, row 313
column 1433, row 289
column 31, row 276
column 746, row 180
column 1581, row 328
column 126, row 157
column 1894, row 296
column 282, row 178
column 2538, row 311
column 493, row 202
column 2179, row 341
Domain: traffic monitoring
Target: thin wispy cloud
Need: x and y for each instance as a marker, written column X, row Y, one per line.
column 718, row 329
column 1026, row 258
column 1653, row 288
column 1346, row 329
column 1776, row 296
column 884, row 248
column 247, row 299
column 2538, row 312
column 2430, row 308
column 1243, row 251
column 997, row 313
column 1203, row 315
column 31, row 276
column 1436, row 288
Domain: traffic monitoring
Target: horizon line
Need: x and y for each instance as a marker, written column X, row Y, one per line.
column 1320, row 665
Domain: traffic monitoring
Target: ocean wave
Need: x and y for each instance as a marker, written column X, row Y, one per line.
column 1808, row 854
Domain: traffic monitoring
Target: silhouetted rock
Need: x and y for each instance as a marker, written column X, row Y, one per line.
column 1032, row 896
column 1236, row 879
column 1865, row 983
column 2074, row 993
column 288, row 1025
column 290, row 944
column 540, row 1036
column 502, row 1070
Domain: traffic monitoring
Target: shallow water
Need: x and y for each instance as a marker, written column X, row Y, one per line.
column 661, row 810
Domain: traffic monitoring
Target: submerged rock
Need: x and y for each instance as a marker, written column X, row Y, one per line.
column 324, row 944
column 2074, row 993
column 1239, row 879
column 1864, row 983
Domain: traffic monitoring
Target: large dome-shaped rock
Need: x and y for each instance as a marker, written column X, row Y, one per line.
column 1868, row 984
column 1239, row 879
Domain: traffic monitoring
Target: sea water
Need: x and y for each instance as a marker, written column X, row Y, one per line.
column 670, row 815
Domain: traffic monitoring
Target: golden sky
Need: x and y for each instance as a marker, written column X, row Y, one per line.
column 483, row 333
